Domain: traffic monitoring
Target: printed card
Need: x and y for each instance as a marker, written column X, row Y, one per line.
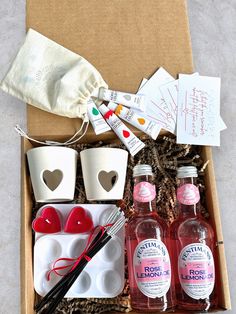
column 222, row 125
column 169, row 93
column 170, row 96
column 156, row 107
column 143, row 82
column 198, row 110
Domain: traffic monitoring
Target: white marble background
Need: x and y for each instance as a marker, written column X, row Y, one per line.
column 213, row 32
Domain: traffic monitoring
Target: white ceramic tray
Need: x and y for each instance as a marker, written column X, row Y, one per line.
column 104, row 274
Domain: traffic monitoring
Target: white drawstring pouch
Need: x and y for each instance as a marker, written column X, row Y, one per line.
column 50, row 77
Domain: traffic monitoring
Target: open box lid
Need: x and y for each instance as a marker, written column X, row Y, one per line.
column 124, row 40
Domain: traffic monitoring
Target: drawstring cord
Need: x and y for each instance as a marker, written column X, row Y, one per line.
column 71, row 141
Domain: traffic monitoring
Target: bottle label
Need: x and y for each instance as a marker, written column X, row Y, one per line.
column 196, row 270
column 144, row 192
column 188, row 194
column 152, row 268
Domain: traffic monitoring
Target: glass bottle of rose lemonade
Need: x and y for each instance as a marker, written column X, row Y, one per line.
column 192, row 248
column 147, row 241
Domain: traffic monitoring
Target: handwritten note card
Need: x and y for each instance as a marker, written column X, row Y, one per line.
column 198, row 117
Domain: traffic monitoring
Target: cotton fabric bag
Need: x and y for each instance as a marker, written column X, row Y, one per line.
column 51, row 77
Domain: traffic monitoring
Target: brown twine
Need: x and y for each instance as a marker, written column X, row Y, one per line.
column 164, row 155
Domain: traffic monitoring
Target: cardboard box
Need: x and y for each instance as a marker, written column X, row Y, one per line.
column 125, row 41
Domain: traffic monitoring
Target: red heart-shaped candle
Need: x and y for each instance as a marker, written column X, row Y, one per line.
column 78, row 221
column 47, row 222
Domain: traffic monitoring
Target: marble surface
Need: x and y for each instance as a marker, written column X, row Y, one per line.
column 213, row 32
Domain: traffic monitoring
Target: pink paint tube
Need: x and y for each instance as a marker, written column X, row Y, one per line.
column 127, row 99
column 98, row 122
column 142, row 123
column 127, row 137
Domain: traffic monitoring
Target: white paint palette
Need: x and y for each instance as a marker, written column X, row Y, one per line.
column 103, row 277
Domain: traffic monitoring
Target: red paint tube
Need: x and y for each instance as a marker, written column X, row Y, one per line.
column 127, row 137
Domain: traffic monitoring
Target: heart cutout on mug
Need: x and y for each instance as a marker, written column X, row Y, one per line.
column 52, row 179
column 78, row 221
column 47, row 222
column 107, row 179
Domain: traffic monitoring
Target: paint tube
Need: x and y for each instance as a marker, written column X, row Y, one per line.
column 98, row 122
column 127, row 137
column 142, row 123
column 127, row 99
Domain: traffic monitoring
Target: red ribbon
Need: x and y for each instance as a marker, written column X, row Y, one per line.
column 75, row 261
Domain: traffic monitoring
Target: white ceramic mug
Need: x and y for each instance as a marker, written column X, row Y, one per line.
column 104, row 172
column 53, row 173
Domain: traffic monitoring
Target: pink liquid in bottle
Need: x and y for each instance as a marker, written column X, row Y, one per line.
column 147, row 240
column 192, row 248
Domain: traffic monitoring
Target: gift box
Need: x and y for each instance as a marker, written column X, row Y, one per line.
column 125, row 41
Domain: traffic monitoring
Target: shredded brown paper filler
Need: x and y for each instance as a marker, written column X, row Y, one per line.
column 164, row 155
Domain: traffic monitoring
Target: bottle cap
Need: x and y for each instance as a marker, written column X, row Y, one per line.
column 142, row 170
column 101, row 92
column 187, row 172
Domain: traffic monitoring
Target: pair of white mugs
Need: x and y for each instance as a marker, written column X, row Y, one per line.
column 53, row 173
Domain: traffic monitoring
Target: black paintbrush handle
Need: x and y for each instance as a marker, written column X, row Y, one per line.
column 54, row 291
column 98, row 247
column 64, row 289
